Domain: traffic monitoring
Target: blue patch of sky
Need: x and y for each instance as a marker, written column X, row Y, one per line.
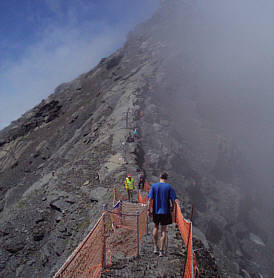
column 46, row 42
column 22, row 22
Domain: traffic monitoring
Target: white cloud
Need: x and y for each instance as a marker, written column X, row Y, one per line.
column 61, row 55
column 67, row 43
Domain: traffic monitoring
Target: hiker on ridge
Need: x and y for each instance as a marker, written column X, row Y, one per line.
column 135, row 133
column 129, row 185
column 162, row 194
column 142, row 180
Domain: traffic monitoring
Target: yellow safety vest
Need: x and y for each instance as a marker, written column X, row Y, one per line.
column 129, row 184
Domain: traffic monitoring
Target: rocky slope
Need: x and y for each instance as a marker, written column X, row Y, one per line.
column 60, row 160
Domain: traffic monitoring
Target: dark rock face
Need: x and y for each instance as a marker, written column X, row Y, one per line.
column 213, row 233
column 60, row 160
column 113, row 62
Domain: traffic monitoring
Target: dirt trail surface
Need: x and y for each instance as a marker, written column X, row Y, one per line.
column 150, row 265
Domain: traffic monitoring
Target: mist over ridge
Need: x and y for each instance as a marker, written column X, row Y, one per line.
column 230, row 45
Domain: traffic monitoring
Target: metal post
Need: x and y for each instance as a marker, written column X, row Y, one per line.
column 127, row 119
column 137, row 234
column 176, row 204
column 121, row 213
column 147, row 222
column 104, row 238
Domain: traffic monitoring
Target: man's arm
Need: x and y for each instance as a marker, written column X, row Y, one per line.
column 173, row 204
column 173, row 197
column 150, row 200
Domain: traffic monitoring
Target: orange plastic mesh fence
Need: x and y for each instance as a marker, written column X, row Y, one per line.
column 117, row 195
column 131, row 209
column 189, row 269
column 114, row 233
column 124, row 237
column 116, row 215
column 121, row 240
column 147, row 187
column 141, row 199
column 185, row 228
column 184, row 225
column 86, row 260
column 142, row 224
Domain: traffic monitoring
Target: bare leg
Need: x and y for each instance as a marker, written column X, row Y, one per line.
column 155, row 236
column 163, row 237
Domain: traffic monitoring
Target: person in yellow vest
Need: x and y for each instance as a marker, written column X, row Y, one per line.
column 129, row 185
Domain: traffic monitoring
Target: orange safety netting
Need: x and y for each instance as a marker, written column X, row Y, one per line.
column 140, row 199
column 118, row 231
column 142, row 224
column 185, row 227
column 146, row 187
column 128, row 227
column 118, row 196
column 86, row 260
column 144, row 199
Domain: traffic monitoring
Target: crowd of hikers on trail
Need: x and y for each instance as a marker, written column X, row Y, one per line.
column 161, row 198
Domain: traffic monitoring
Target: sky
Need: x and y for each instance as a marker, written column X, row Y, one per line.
column 44, row 43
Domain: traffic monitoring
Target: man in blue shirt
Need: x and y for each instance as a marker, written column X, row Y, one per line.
column 162, row 194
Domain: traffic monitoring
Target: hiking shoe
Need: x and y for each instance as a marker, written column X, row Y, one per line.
column 161, row 253
column 156, row 250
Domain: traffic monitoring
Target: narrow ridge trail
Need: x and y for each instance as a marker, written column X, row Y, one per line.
column 150, row 265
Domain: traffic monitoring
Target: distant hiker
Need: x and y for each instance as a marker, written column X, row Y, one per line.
column 142, row 180
column 129, row 185
column 161, row 194
column 130, row 138
column 135, row 133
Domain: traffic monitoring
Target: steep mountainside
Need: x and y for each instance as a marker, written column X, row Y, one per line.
column 60, row 160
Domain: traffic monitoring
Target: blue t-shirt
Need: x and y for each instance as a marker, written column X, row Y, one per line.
column 161, row 193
